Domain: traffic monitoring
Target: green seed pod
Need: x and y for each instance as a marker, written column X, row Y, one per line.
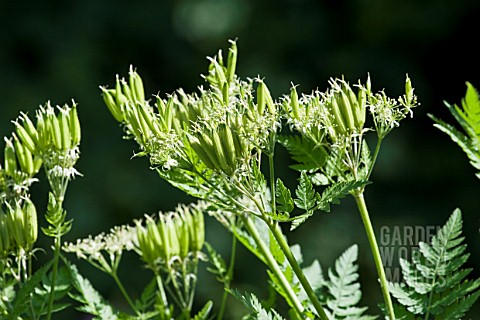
column 228, row 146
column 10, row 158
column 197, row 230
column 149, row 118
column 113, row 107
column 346, row 110
column 222, row 158
column 120, row 98
column 294, row 103
column 202, row 155
column 64, row 123
column 269, row 101
column 31, row 225
column 337, row 118
column 27, row 140
column 75, row 125
column 368, row 86
column 43, row 133
column 37, row 164
column 53, row 126
column 16, row 223
column 181, row 231
column 5, row 241
column 219, row 73
column 225, row 93
column 136, row 85
column 127, row 91
column 408, row 90
column 30, row 128
column 24, row 156
column 261, row 98
column 232, row 61
column 360, row 112
column 210, row 150
column 145, row 128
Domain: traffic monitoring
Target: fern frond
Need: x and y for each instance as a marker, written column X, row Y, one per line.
column 435, row 284
column 251, row 302
column 343, row 288
column 310, row 156
column 468, row 117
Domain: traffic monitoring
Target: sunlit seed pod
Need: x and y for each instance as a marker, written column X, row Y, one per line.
column 19, row 153
column 29, row 127
column 346, row 111
column 145, row 128
column 181, row 230
column 269, row 101
column 294, row 103
column 238, row 146
column 10, row 158
column 127, row 91
column 368, row 86
column 132, row 120
column 219, row 73
column 261, row 98
column 360, row 113
column 4, row 236
column 37, row 164
column 408, row 90
column 222, row 158
column 173, row 240
column 202, row 155
column 75, row 125
column 208, row 147
column 232, row 61
column 166, row 245
column 198, row 231
column 31, row 224
column 228, row 145
column 120, row 98
column 27, row 139
column 225, row 93
column 43, row 133
column 113, row 107
column 24, row 156
column 53, row 126
column 64, row 122
column 16, row 225
column 337, row 117
column 147, row 114
column 136, row 85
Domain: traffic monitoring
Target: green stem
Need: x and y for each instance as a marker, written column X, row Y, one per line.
column 54, row 276
column 163, row 296
column 375, row 156
column 274, row 267
column 228, row 278
column 278, row 235
column 124, row 292
column 362, row 207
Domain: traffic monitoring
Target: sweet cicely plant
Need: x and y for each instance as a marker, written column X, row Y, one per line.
column 218, row 144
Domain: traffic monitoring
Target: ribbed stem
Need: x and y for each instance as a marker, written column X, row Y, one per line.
column 362, row 207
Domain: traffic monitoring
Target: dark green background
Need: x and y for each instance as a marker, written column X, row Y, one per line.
column 59, row 50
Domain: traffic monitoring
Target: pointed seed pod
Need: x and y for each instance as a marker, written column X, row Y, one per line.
column 208, row 147
column 228, row 145
column 337, row 118
column 64, row 123
column 27, row 139
column 202, row 155
column 24, row 156
column 261, row 98
column 120, row 98
column 136, row 85
column 54, row 130
column 31, row 225
column 346, row 110
column 127, row 91
column 30, row 127
column 222, row 159
column 10, row 158
column 75, row 125
column 113, row 107
column 232, row 61
column 408, row 90
column 294, row 103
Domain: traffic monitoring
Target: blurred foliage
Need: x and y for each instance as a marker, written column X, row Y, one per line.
column 58, row 50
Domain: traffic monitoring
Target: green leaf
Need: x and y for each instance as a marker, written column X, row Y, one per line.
column 283, row 197
column 219, row 266
column 23, row 297
column 435, row 283
column 344, row 289
column 251, row 302
column 337, row 191
column 306, row 198
column 204, row 312
column 92, row 302
column 310, row 156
